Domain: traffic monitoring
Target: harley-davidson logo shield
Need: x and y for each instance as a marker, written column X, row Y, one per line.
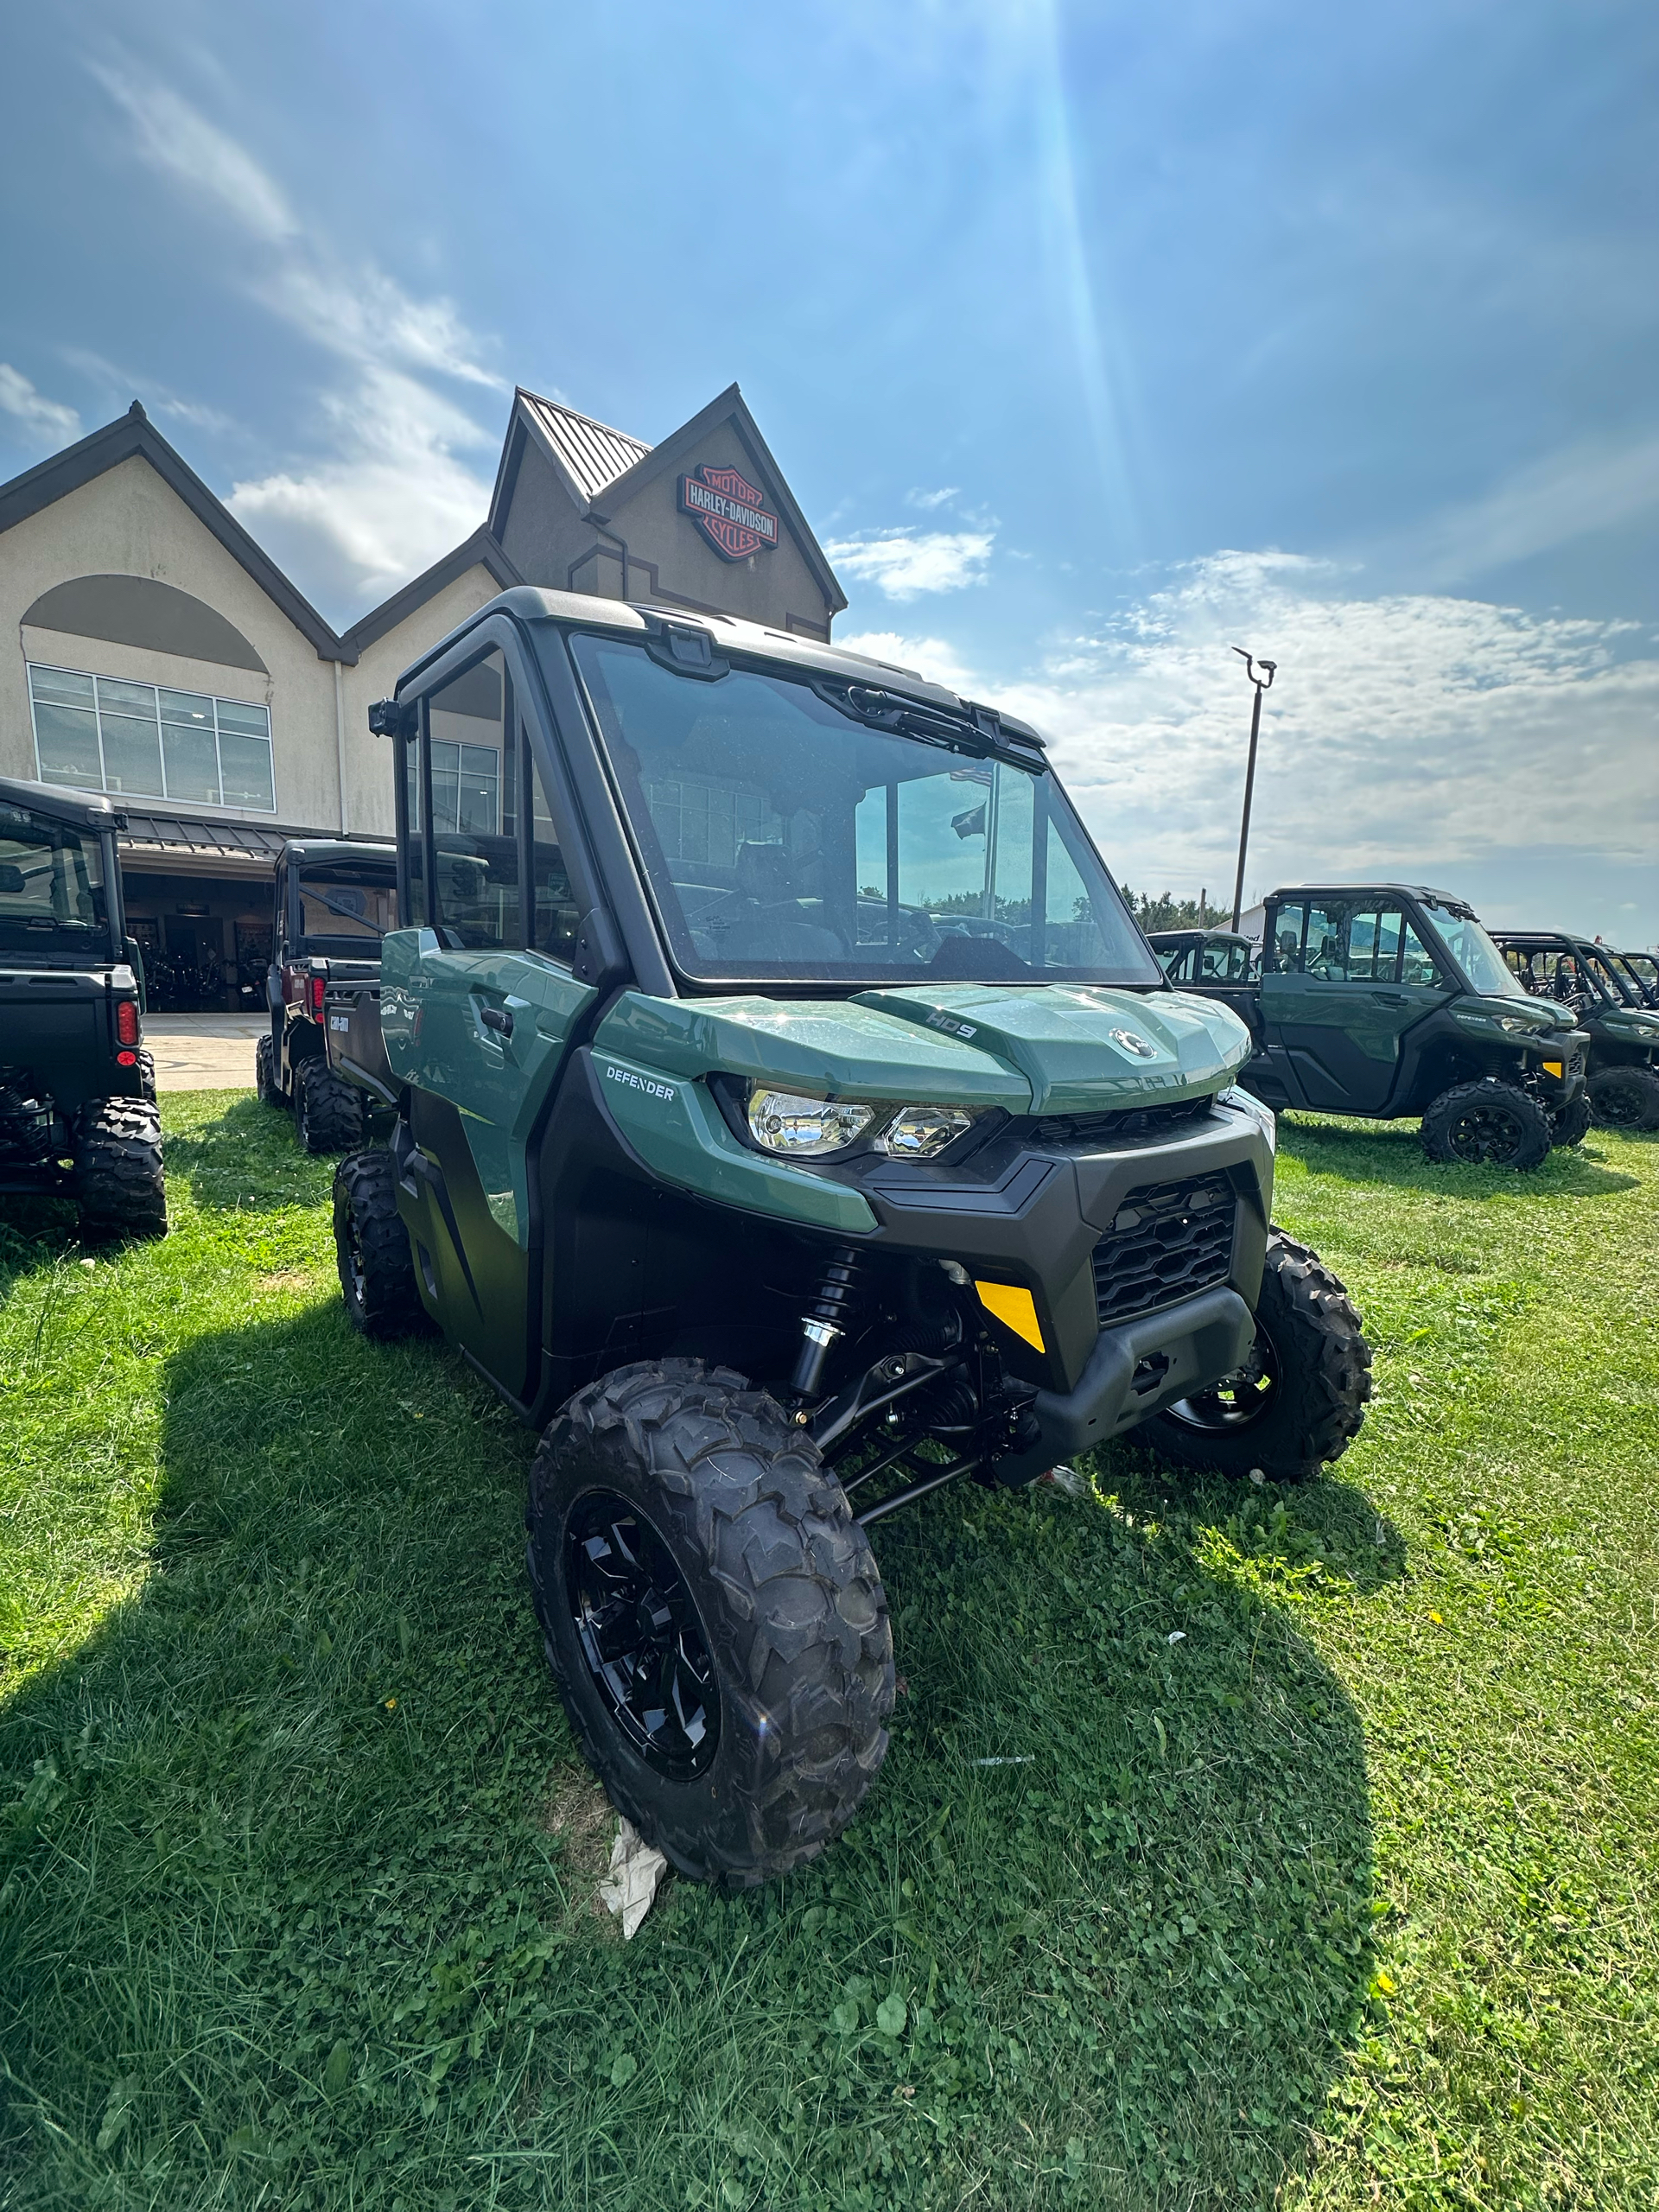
column 727, row 509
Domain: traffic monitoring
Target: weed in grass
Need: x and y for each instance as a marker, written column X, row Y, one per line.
column 1323, row 1878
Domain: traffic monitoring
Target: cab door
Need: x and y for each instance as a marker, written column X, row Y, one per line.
column 480, row 1007
column 1334, row 1001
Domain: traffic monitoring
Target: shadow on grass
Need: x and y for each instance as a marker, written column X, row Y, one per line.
column 280, row 1916
column 1388, row 1152
column 247, row 1160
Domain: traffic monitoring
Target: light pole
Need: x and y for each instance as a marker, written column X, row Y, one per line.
column 1262, row 682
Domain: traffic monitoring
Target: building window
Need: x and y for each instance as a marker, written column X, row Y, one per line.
column 465, row 788
column 140, row 741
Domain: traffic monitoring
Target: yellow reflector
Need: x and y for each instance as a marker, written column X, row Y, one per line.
column 1554, row 1067
column 1015, row 1308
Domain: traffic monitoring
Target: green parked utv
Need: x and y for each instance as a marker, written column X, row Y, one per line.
column 78, row 1117
column 790, row 1120
column 1384, row 1000
column 1588, row 983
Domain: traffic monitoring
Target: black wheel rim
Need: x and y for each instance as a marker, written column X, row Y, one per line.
column 638, row 1630
column 1486, row 1136
column 1239, row 1400
column 1620, row 1105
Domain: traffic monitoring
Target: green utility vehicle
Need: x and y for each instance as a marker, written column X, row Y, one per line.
column 1641, row 968
column 78, row 1116
column 1383, row 1000
column 1585, row 980
column 790, row 1120
column 335, row 899
column 1195, row 957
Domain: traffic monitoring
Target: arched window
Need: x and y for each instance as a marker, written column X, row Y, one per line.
column 138, row 610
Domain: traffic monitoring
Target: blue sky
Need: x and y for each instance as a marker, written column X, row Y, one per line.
column 1092, row 339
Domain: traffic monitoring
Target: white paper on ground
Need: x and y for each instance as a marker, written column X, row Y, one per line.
column 631, row 1886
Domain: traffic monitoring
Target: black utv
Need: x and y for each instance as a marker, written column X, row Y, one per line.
column 790, row 1120
column 78, row 1116
column 335, row 899
column 1588, row 983
column 1384, row 1000
column 1192, row 958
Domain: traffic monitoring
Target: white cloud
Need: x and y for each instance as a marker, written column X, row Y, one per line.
column 929, row 657
column 1399, row 729
column 46, row 421
column 1587, row 487
column 390, row 494
column 928, row 500
column 904, row 563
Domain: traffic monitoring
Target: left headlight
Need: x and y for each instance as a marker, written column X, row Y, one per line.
column 920, row 1131
column 1512, row 1025
column 805, row 1128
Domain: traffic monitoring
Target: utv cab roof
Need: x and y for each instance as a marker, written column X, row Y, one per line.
column 316, row 852
column 81, row 809
column 677, row 634
column 1173, row 940
column 1447, row 899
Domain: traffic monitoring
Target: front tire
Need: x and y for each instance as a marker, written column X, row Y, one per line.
column 1625, row 1098
column 713, row 1615
column 119, row 1169
column 1571, row 1124
column 328, row 1111
column 376, row 1268
column 1486, row 1124
column 1299, row 1399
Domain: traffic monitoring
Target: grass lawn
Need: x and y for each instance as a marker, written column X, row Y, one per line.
column 1318, row 1868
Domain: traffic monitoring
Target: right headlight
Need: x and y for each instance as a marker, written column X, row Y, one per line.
column 920, row 1131
column 806, row 1128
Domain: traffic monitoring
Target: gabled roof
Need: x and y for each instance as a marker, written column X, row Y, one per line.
column 602, row 469
column 132, row 434
column 479, row 549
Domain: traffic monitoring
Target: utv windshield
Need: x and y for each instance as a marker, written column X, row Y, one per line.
column 51, row 898
column 785, row 840
column 348, row 906
column 1474, row 952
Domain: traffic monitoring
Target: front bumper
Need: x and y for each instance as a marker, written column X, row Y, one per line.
column 1560, row 1068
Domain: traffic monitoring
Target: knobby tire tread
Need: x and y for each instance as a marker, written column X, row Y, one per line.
column 387, row 1304
column 119, row 1178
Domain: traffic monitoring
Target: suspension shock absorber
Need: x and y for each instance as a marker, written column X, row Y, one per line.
column 826, row 1320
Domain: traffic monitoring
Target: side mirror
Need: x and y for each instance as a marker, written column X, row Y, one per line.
column 13, row 883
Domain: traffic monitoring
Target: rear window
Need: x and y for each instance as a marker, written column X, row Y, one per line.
column 52, row 893
column 337, row 905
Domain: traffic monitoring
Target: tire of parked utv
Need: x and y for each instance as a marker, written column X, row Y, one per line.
column 117, row 1157
column 328, row 1111
column 1571, row 1124
column 1300, row 1400
column 1624, row 1098
column 1487, row 1124
column 376, row 1268
column 713, row 1617
column 264, row 1077
column 146, row 1074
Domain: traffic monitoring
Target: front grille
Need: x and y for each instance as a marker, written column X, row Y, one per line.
column 1169, row 1241
column 1085, row 1132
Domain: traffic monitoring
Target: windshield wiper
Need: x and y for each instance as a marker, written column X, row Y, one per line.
column 977, row 730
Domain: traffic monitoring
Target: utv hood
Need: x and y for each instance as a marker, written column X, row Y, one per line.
column 1056, row 1048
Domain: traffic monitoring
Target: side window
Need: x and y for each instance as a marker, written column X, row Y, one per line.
column 1374, row 946
column 1322, row 954
column 1417, row 963
column 414, row 842
column 474, row 811
column 1283, row 945
column 553, row 928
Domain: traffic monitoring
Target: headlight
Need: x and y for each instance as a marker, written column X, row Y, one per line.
column 805, row 1128
column 920, row 1131
column 1512, row 1025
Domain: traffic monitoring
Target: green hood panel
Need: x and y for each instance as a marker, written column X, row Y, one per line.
column 830, row 1047
column 1083, row 1047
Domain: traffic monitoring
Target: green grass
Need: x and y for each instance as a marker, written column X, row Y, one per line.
column 1343, row 1897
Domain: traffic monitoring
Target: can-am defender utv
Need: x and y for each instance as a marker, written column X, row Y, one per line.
column 78, row 1116
column 336, row 898
column 791, row 1118
column 1383, row 1000
column 1195, row 957
column 1585, row 980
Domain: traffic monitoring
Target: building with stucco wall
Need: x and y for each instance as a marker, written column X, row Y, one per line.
column 163, row 657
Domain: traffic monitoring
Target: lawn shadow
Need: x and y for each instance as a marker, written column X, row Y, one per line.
column 1388, row 1152
column 284, row 1910
column 247, row 1160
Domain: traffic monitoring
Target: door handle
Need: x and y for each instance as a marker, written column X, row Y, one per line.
column 497, row 1018
column 1390, row 998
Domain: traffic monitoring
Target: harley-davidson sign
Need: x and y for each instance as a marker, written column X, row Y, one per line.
column 727, row 510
